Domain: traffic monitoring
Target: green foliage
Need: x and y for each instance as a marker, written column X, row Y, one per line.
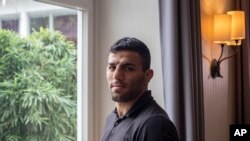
column 37, row 87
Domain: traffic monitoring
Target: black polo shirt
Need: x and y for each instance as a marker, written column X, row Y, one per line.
column 145, row 121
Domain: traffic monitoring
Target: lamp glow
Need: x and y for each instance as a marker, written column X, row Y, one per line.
column 238, row 25
column 222, row 28
column 229, row 30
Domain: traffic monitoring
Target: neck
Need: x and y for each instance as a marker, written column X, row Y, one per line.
column 124, row 107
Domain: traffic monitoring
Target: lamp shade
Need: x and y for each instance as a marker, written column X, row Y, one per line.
column 238, row 25
column 222, row 28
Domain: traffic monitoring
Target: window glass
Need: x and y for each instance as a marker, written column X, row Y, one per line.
column 11, row 25
column 38, row 73
column 36, row 23
column 67, row 24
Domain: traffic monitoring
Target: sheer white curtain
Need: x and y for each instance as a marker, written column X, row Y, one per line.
column 182, row 74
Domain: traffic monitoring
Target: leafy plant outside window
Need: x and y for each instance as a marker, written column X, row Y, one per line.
column 37, row 87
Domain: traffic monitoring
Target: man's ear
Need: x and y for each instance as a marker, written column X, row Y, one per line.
column 149, row 73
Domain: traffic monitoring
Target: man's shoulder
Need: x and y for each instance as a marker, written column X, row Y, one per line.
column 154, row 110
column 157, row 126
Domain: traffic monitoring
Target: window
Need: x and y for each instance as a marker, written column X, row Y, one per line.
column 11, row 24
column 37, row 22
column 67, row 24
column 43, row 106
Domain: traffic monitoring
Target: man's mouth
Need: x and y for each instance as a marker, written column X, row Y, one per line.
column 118, row 85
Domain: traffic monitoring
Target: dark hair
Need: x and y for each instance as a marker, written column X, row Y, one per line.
column 135, row 45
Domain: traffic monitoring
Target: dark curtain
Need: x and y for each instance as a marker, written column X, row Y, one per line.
column 182, row 66
column 243, row 69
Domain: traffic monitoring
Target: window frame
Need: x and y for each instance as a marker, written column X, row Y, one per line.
column 85, row 59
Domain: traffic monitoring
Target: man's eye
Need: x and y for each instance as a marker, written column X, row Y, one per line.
column 129, row 68
column 111, row 67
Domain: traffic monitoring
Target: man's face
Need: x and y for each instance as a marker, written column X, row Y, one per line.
column 125, row 76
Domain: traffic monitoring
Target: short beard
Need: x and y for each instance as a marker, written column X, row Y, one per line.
column 125, row 97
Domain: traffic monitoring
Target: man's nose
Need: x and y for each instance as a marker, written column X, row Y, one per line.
column 118, row 74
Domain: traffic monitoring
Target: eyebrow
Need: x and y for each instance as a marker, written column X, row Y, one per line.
column 125, row 64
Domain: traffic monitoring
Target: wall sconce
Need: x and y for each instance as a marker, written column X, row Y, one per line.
column 229, row 30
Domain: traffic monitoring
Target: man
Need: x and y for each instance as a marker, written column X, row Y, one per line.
column 137, row 117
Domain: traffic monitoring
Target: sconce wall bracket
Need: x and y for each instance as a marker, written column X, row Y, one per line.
column 215, row 69
column 215, row 65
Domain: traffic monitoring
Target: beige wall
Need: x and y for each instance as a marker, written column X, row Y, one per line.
column 116, row 19
column 218, row 93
